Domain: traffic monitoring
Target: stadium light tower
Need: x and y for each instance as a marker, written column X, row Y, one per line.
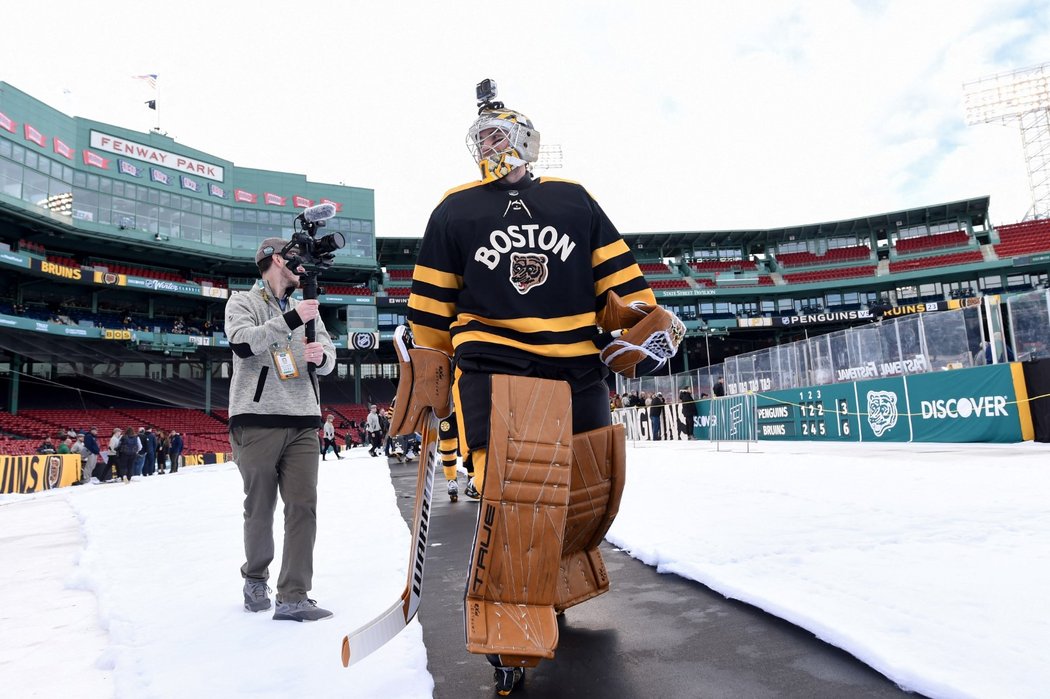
column 1022, row 96
column 550, row 157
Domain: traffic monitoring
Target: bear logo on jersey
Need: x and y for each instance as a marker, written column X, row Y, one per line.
column 527, row 270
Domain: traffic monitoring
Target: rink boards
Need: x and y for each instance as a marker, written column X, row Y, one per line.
column 979, row 404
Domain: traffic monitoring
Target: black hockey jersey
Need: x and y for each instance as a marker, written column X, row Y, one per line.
column 519, row 270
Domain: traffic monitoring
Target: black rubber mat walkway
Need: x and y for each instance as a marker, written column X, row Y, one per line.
column 652, row 635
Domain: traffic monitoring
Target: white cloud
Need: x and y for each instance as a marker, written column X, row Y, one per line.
column 675, row 115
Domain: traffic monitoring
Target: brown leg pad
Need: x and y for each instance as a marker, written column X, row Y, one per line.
column 514, row 566
column 598, row 466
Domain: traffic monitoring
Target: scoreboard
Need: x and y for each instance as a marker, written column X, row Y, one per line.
column 977, row 404
column 819, row 413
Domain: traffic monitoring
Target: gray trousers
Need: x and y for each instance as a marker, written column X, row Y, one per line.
column 87, row 466
column 285, row 460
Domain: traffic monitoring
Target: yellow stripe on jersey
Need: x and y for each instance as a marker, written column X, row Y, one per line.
column 575, row 349
column 616, row 278
column 462, row 187
column 435, row 277
column 561, row 179
column 530, row 325
column 645, row 296
column 446, row 309
column 423, row 336
column 607, row 252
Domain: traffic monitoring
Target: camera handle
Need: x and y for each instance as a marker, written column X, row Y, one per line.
column 309, row 284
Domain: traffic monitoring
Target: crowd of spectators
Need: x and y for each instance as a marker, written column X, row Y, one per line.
column 128, row 455
column 70, row 312
column 376, row 436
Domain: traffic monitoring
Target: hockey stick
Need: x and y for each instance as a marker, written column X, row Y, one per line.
column 373, row 635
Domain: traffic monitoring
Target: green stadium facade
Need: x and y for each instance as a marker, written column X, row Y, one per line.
column 111, row 237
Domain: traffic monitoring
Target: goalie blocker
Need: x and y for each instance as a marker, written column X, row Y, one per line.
column 548, row 500
column 425, row 383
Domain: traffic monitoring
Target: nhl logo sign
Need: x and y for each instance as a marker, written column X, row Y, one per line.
column 363, row 341
column 109, row 278
column 53, row 472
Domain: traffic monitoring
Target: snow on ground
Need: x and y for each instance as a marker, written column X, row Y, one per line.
column 928, row 562
column 135, row 591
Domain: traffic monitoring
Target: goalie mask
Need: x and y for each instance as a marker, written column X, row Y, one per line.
column 501, row 140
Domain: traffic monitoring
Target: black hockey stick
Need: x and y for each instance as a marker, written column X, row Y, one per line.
column 373, row 635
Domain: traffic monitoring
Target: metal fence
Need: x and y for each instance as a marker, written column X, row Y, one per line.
column 913, row 344
column 734, row 419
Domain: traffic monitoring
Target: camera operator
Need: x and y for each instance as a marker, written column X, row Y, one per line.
column 274, row 417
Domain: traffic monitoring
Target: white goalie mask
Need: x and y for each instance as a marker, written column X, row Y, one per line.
column 500, row 140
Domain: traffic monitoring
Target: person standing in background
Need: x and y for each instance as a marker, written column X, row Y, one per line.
column 176, row 450
column 149, row 466
column 77, row 447
column 114, row 443
column 374, row 429
column 140, row 460
column 656, row 415
column 329, row 438
column 91, row 453
column 47, row 446
column 162, row 451
column 127, row 455
column 689, row 412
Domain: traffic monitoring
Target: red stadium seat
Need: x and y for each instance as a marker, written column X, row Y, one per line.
column 833, row 256
column 1023, row 238
column 723, row 265
column 654, row 268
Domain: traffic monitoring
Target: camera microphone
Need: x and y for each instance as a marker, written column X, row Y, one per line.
column 320, row 212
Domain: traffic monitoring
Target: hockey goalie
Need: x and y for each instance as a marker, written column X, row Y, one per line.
column 531, row 291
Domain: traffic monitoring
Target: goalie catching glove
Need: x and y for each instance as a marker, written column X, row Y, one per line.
column 637, row 339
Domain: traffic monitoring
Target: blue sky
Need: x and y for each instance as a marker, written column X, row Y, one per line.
column 675, row 115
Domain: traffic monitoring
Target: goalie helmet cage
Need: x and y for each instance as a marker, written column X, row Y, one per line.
column 734, row 419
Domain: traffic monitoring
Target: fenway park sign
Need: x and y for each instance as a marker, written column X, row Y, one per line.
column 149, row 154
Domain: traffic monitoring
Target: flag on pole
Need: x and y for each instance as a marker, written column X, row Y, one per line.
column 151, row 79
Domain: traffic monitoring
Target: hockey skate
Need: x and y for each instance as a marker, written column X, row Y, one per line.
column 453, row 490
column 507, row 679
column 470, row 491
